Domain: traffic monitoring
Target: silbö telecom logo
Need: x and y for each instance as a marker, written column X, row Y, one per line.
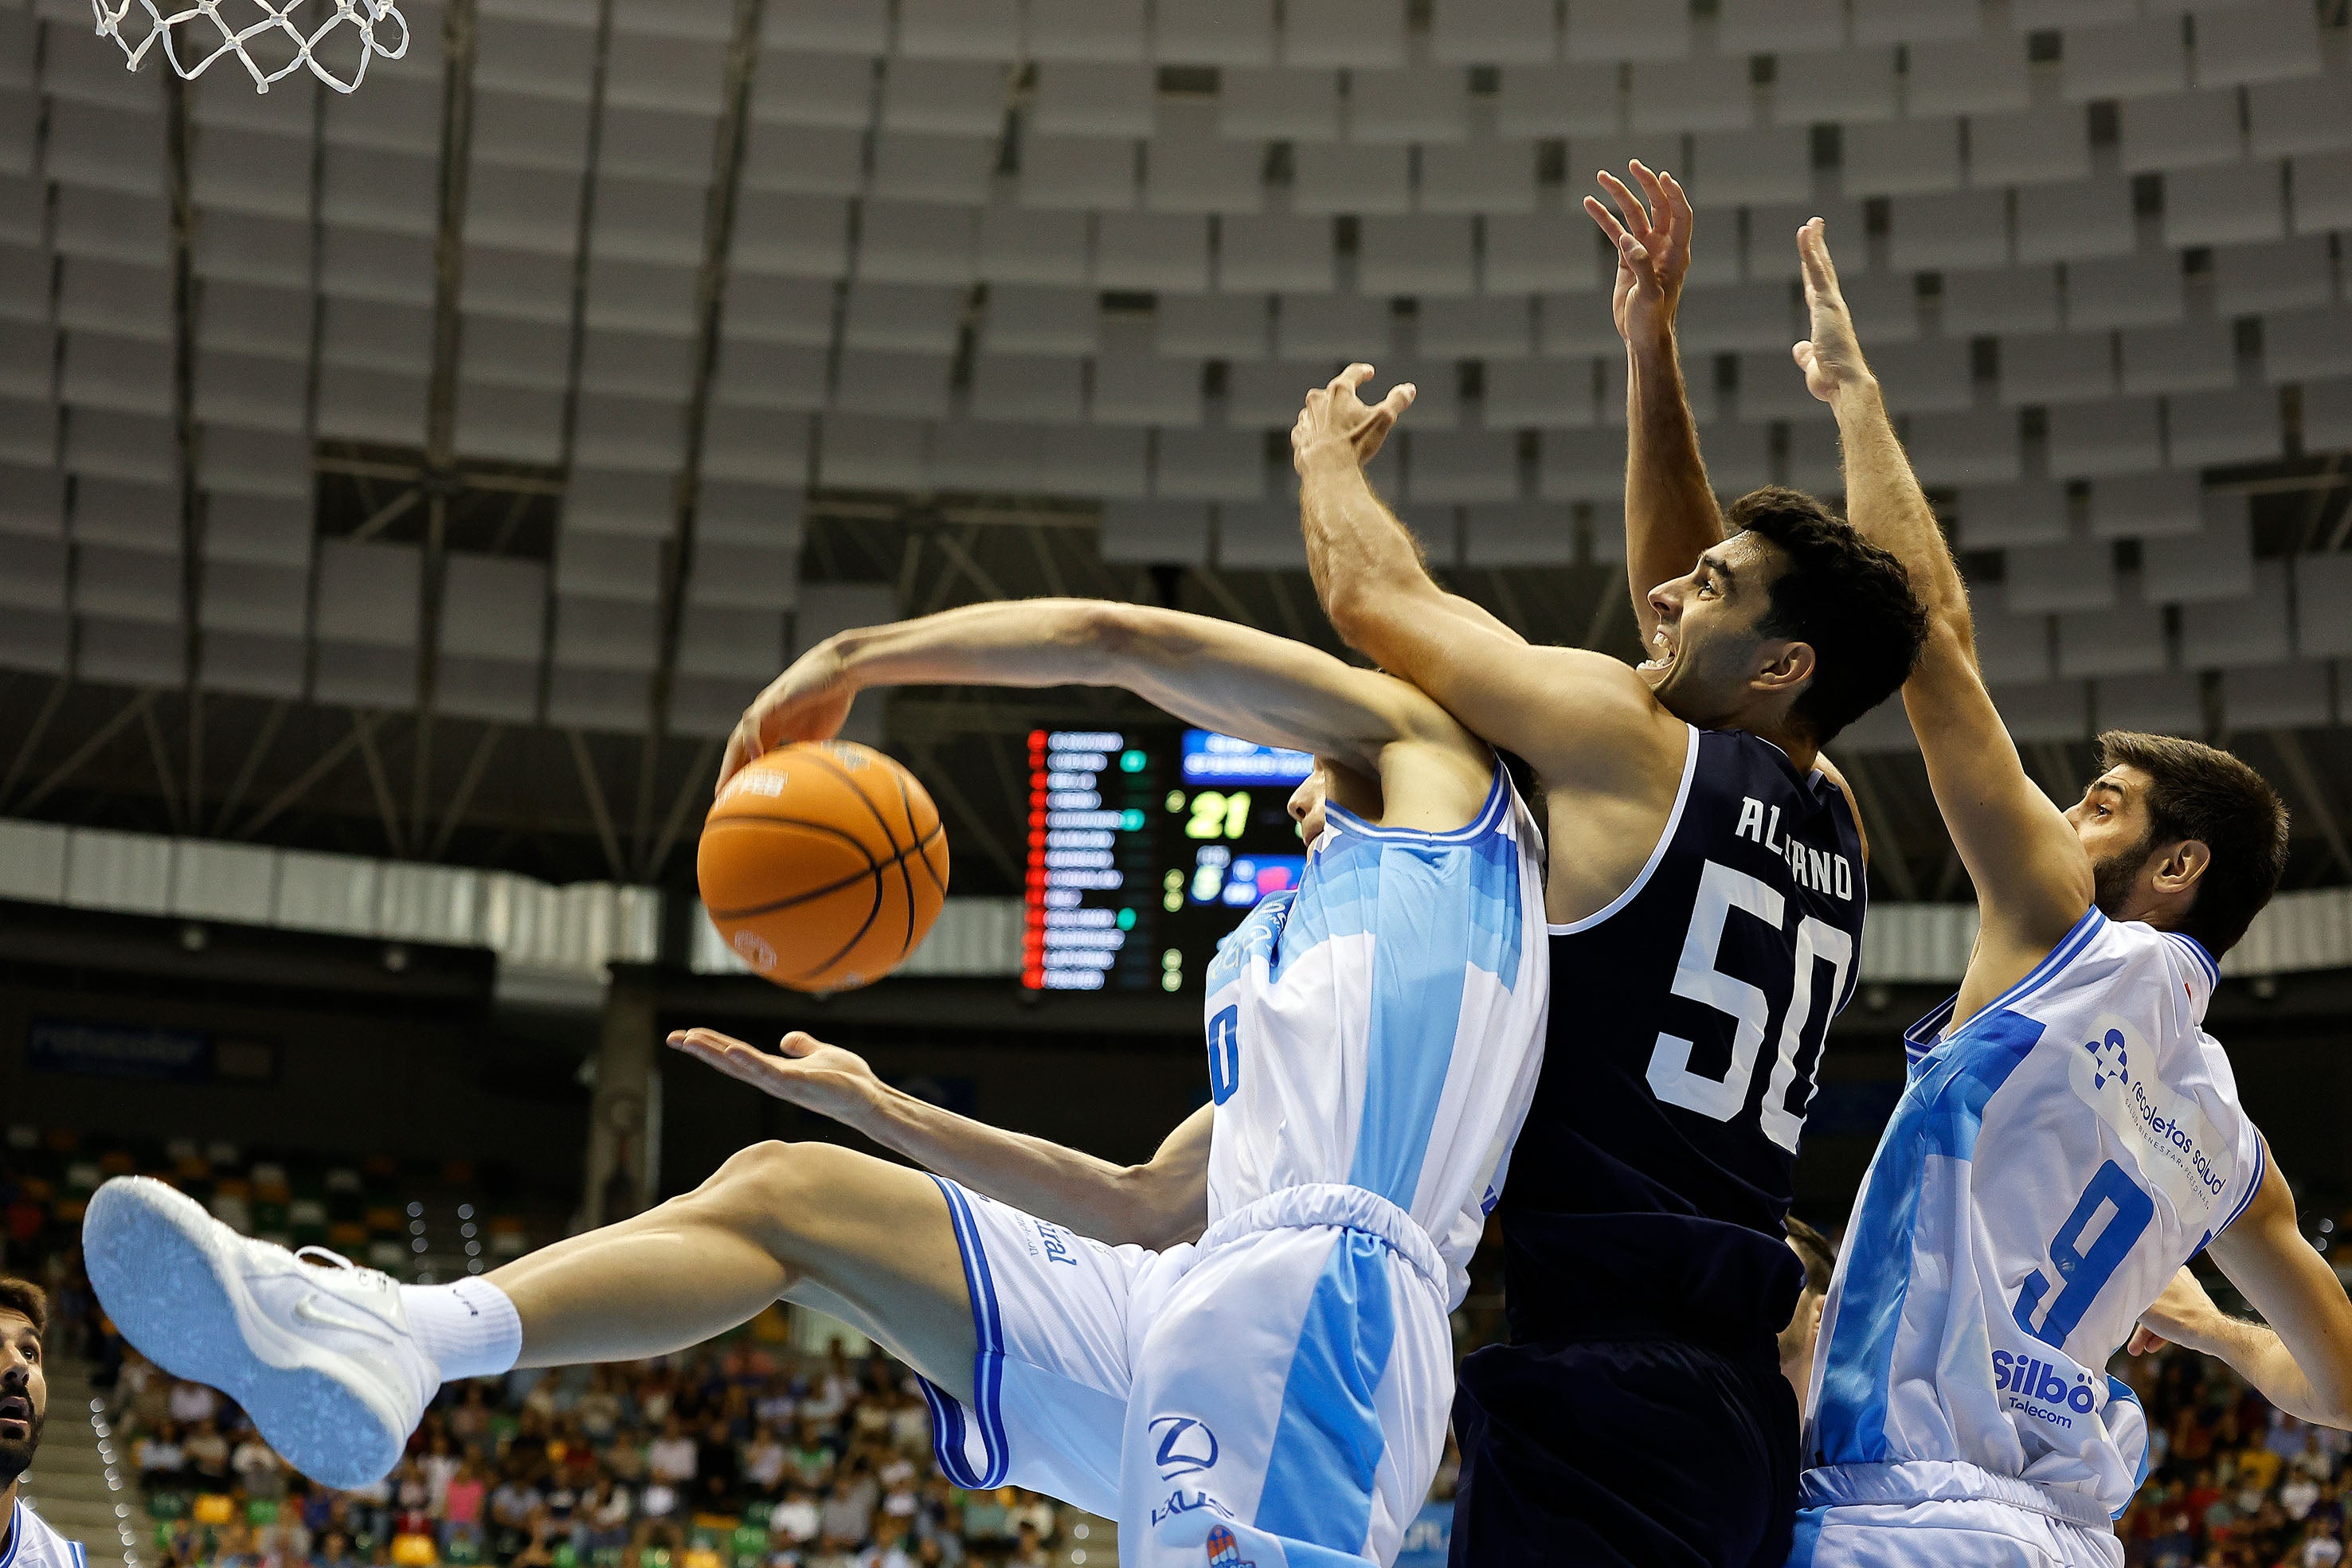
column 2031, row 1383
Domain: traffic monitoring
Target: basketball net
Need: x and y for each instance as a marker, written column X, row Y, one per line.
column 199, row 35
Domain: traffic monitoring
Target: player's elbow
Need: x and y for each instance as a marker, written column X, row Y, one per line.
column 1158, row 1211
column 1099, row 634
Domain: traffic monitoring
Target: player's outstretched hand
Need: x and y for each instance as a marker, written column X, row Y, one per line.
column 2178, row 1314
column 809, row 701
column 1832, row 358
column 1653, row 251
column 804, row 1070
column 1335, row 419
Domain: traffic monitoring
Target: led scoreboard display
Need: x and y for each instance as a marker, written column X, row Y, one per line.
column 1144, row 849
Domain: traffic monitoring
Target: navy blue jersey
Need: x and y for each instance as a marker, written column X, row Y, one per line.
column 1649, row 1184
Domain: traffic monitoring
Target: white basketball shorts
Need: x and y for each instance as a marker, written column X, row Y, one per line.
column 1276, row 1393
column 1945, row 1513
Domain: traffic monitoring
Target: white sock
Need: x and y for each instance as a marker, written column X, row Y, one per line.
column 469, row 1329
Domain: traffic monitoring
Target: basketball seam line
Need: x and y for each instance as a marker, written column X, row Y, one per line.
column 873, row 868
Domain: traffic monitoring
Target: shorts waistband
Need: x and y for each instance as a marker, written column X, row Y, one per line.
column 1334, row 1203
column 1947, row 1480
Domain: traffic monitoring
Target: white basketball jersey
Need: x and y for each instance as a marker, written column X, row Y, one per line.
column 33, row 1544
column 2052, row 1164
column 1381, row 1024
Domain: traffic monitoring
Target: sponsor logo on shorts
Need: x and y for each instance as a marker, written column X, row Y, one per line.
column 1224, row 1551
column 2041, row 1390
column 1187, row 1446
column 1181, row 1501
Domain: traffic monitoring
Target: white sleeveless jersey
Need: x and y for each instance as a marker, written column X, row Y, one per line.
column 1381, row 1025
column 32, row 1543
column 2051, row 1164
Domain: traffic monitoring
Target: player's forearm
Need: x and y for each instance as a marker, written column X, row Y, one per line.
column 1367, row 567
column 1885, row 503
column 1020, row 643
column 1090, row 1196
column 1671, row 516
column 2256, row 1352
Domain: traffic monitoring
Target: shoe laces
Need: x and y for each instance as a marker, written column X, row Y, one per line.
column 376, row 1278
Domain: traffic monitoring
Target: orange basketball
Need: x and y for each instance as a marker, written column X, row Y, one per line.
column 823, row 864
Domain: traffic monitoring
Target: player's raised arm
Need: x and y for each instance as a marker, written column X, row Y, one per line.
column 1671, row 515
column 1157, row 1203
column 2033, row 878
column 2301, row 1358
column 1578, row 717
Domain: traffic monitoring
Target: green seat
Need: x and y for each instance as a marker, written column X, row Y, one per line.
column 749, row 1545
column 465, row 1549
column 167, row 1506
column 605, row 1557
column 654, row 1557
column 567, row 1555
column 261, row 1510
column 756, row 1512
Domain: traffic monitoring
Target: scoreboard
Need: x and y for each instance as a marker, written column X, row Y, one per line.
column 1145, row 847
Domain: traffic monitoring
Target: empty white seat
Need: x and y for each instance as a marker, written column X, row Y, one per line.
column 1078, row 173
column 2146, row 505
column 1740, row 167
column 1212, row 326
column 105, row 224
column 2179, row 130
column 1424, row 254
column 2036, row 146
column 1692, row 95
column 1902, row 156
column 1493, row 32
column 1554, row 393
column 1132, row 390
column 802, row 89
column 2275, row 696
column 497, row 282
column 610, row 566
column 1092, row 99
column 1478, row 177
column 960, row 30
column 32, row 501
column 769, row 446
column 2326, row 415
column 2252, row 629
column 1971, row 448
column 1258, row 105
column 266, row 529
column 2239, row 425
column 606, row 634
column 1260, row 535
column 726, row 636
column 996, row 459
column 262, row 462
column 2114, row 436
column 2041, row 578
column 139, row 516
column 877, row 381
column 765, row 515
column 866, row 452
column 1346, row 326
column 522, row 423
column 1528, row 253
column 917, row 242
column 2193, row 356
column 1214, row 31
column 1151, row 250
column 2300, row 344
column 819, row 160
column 1174, row 532
column 2123, row 59
column 631, row 432
column 773, row 309
column 1350, row 33
column 930, row 167
column 2127, row 638
column 252, row 250
column 1462, row 465
column 1203, row 173
column 1519, row 533
column 2076, row 220
column 1268, row 395
column 1979, row 76
column 1847, row 85
column 1581, row 466
column 371, row 405
column 2155, row 703
column 909, row 315
column 2285, row 275
column 1274, row 252
column 1040, row 320
column 2234, row 204
column 1019, row 245
column 1211, row 464
column 1813, row 460
column 2323, row 191
column 771, row 375
column 1955, row 228
column 1606, row 30
column 241, row 597
column 1886, row 307
column 1334, row 178
column 1743, row 316
column 2311, row 115
column 1769, row 27
column 1556, row 101
column 1771, row 387
column 1093, row 30
column 653, row 143
column 367, row 593
column 1477, row 328
column 1933, row 375
column 2144, row 290
column 645, row 220
column 617, row 501
column 2323, row 593
column 131, row 584
column 1913, row 21
column 2271, row 41
column 2056, row 367
column 789, row 233
column 1419, row 104
column 2026, row 512
column 124, row 374
column 1740, row 456
column 2216, row 562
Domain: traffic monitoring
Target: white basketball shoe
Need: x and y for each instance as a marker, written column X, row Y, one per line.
column 321, row 1358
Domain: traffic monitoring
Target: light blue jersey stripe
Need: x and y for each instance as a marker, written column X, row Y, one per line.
column 1327, row 1442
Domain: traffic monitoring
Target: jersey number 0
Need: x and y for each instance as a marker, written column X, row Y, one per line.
column 1722, row 890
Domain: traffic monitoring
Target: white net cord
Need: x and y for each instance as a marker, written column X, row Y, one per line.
column 137, row 24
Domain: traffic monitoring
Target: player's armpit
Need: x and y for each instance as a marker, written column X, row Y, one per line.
column 1168, row 1196
column 2032, row 879
column 2302, row 1360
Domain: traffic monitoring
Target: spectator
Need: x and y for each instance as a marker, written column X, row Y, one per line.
column 163, row 1464
column 193, row 1402
column 2320, row 1547
column 260, row 1471
column 671, row 1458
column 848, row 1514
column 793, row 1523
column 207, row 1453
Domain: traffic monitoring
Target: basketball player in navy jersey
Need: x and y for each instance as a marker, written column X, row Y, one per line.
column 1705, row 894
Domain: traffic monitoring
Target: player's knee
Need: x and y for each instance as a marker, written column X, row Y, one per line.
column 762, row 1190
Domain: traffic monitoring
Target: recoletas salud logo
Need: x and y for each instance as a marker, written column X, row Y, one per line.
column 2185, row 1156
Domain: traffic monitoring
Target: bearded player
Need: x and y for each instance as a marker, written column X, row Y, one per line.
column 29, row 1539
column 1373, row 1037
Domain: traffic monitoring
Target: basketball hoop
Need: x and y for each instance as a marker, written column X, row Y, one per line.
column 272, row 46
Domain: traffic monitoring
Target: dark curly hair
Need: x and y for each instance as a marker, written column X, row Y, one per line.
column 1848, row 599
column 28, row 1300
column 2201, row 792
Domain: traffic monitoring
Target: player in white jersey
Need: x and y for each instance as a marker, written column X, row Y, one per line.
column 2069, row 1137
column 29, row 1541
column 1247, row 1336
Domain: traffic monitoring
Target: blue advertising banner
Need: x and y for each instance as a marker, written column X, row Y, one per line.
column 121, row 1051
column 1428, row 1538
column 1220, row 759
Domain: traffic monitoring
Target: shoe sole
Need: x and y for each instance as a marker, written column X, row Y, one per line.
column 154, row 1259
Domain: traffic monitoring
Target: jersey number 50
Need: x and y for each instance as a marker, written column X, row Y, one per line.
column 1722, row 890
